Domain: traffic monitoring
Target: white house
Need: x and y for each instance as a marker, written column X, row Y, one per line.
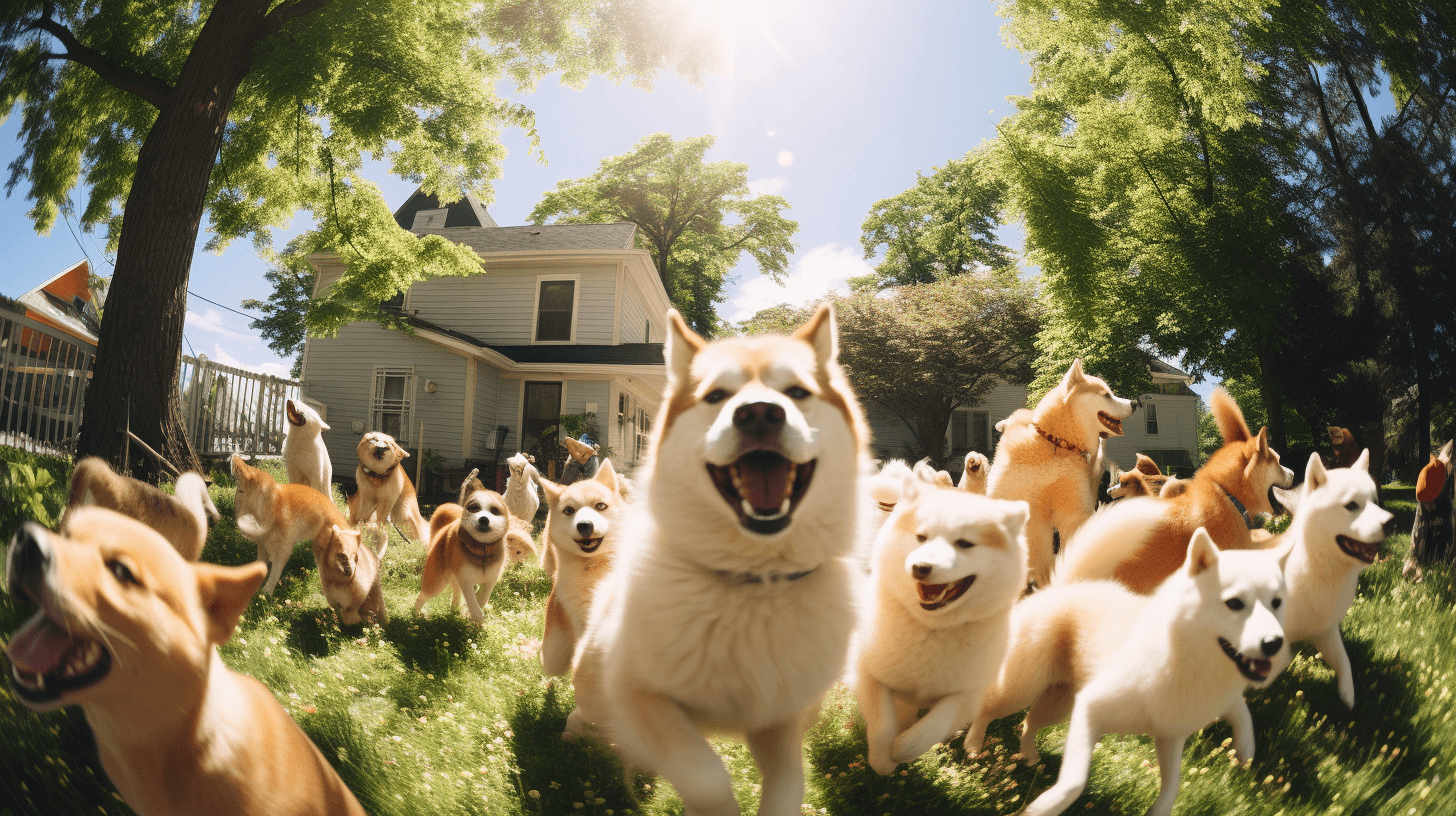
column 1164, row 426
column 563, row 319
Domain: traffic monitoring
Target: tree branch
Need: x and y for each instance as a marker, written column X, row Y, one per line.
column 143, row 86
column 288, row 12
column 1195, row 118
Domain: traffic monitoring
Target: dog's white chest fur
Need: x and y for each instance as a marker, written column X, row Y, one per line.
column 926, row 663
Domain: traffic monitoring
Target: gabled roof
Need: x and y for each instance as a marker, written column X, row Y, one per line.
column 539, row 237
column 54, row 302
column 1160, row 367
column 467, row 212
column 631, row 354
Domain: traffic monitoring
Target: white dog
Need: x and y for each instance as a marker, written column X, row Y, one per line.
column 731, row 607
column 521, row 496
column 1123, row 663
column 948, row 565
column 304, row 453
column 1336, row 533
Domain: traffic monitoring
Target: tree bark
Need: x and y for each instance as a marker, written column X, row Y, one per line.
column 930, row 425
column 1423, row 393
column 140, row 347
column 1273, row 393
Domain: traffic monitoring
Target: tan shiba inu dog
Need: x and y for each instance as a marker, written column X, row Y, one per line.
column 1140, row 542
column 947, row 567
column 128, row 630
column 582, row 528
column 180, row 518
column 349, row 569
column 1122, row 663
column 469, row 545
column 304, row 454
column 1045, row 460
column 730, row 605
column 275, row 517
column 385, row 492
column 1146, row 479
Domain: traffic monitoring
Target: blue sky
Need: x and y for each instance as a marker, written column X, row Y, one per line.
column 833, row 105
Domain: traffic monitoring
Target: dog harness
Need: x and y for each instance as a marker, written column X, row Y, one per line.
column 1243, row 511
column 381, row 476
column 1060, row 442
column 756, row 578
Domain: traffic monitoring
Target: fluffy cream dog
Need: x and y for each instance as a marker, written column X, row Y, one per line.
column 973, row 475
column 1335, row 534
column 1044, row 459
column 305, row 456
column 732, row 607
column 947, row 567
column 275, row 517
column 385, row 491
column 1123, row 663
column 128, row 630
column 180, row 518
column 582, row 526
column 521, row 495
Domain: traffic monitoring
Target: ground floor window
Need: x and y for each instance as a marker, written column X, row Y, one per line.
column 542, row 412
column 969, row 431
column 391, row 402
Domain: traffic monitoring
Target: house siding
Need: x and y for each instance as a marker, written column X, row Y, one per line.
column 487, row 410
column 498, row 310
column 634, row 315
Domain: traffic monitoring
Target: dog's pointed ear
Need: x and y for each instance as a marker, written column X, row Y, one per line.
column 1261, row 441
column 324, row 426
column 1287, row 497
column 1016, row 517
column 1202, row 553
column 293, row 415
column 821, row 332
column 1145, row 464
column 1073, row 376
column 1445, row 453
column 1315, row 474
column 403, row 454
column 607, row 475
column 552, row 490
column 226, row 593
column 683, row 344
column 1362, row 463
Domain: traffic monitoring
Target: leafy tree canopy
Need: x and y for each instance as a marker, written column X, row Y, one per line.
column 695, row 218
column 944, row 225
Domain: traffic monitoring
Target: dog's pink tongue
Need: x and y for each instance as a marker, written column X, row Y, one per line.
column 39, row 645
column 765, row 480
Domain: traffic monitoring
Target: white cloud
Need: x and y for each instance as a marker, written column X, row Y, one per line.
column 211, row 320
column 785, row 158
column 820, row 270
column 277, row 369
column 768, row 186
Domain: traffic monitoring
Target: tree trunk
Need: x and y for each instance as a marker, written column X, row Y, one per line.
column 1423, row 395
column 1273, row 394
column 140, row 347
column 930, row 425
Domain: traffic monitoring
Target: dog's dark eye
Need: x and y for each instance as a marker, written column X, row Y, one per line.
column 1353, row 507
column 567, row 511
column 797, row 391
column 964, row 544
column 715, row 396
column 495, row 511
column 1277, row 602
column 920, row 538
column 1234, row 603
column 473, row 508
column 600, row 505
column 122, row 572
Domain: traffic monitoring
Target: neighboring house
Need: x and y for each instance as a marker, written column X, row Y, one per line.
column 64, row 302
column 1164, row 426
column 562, row 319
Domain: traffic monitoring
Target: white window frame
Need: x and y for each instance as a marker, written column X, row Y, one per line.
column 575, row 308
column 407, row 408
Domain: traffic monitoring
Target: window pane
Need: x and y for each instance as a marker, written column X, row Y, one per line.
column 1152, row 410
column 959, row 438
column 393, row 388
column 556, row 295
column 389, row 423
column 979, row 421
column 554, row 326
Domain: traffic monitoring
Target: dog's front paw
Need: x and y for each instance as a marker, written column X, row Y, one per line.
column 882, row 764
column 1027, row 749
column 1347, row 692
column 903, row 750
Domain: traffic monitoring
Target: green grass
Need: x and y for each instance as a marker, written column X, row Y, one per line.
column 431, row 715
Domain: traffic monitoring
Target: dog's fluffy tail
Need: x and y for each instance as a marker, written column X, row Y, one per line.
column 1230, row 419
column 191, row 490
column 1109, row 538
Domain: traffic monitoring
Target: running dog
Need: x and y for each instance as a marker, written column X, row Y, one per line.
column 275, row 517
column 1123, row 663
column 385, row 491
column 468, row 547
column 1045, row 459
column 730, row 606
column 1142, row 541
column 948, row 565
column 128, row 630
column 349, row 570
column 180, row 518
column 305, row 456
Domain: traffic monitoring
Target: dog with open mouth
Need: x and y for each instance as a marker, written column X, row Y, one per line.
column 1334, row 535
column 275, row 517
column 948, row 565
column 1115, row 662
column 127, row 629
column 470, row 545
column 730, row 605
column 1046, row 460
column 181, row 518
column 385, row 491
column 305, row 456
column 1140, row 542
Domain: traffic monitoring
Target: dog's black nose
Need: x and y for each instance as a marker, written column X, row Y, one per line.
column 920, row 571
column 379, row 452
column 759, row 419
column 584, row 529
column 28, row 557
column 1389, row 527
column 1271, row 646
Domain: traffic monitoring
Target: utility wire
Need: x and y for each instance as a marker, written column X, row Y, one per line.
column 220, row 306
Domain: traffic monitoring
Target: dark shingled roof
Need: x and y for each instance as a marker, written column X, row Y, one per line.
column 624, row 354
column 543, row 237
column 467, row 212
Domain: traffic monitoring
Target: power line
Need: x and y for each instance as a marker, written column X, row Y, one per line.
column 220, row 306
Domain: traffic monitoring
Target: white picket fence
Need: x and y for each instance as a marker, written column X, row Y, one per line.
column 44, row 373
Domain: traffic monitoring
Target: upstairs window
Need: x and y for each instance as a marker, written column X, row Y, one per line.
column 391, row 402
column 1152, row 417
column 555, row 310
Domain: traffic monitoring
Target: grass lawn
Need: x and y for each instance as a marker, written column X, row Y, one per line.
column 431, row 715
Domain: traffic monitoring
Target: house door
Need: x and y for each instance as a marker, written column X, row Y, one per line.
column 542, row 411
